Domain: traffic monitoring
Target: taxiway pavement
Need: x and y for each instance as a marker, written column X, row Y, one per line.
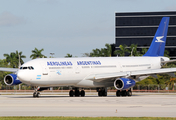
column 89, row 106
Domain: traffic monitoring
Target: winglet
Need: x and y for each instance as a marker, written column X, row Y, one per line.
column 157, row 46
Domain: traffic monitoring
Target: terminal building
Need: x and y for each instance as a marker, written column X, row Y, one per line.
column 140, row 27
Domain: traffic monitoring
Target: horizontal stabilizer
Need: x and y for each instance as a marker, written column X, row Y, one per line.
column 168, row 61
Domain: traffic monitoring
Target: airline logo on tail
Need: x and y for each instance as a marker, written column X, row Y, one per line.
column 158, row 39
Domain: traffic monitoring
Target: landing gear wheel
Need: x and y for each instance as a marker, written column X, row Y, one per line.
column 129, row 93
column 71, row 93
column 123, row 93
column 100, row 93
column 118, row 93
column 82, row 93
column 77, row 93
column 104, row 93
column 36, row 94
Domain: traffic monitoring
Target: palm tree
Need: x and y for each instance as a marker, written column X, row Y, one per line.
column 37, row 54
column 143, row 51
column 166, row 53
column 13, row 59
column 96, row 53
column 107, row 50
column 19, row 54
column 122, row 51
column 171, row 82
column 10, row 58
column 103, row 52
column 133, row 50
column 68, row 55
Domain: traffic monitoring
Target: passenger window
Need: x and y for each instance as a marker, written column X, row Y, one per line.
column 21, row 67
column 29, row 68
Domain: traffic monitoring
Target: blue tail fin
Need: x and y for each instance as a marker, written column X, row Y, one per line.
column 157, row 46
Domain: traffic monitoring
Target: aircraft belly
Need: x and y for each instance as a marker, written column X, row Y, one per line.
column 55, row 82
column 90, row 83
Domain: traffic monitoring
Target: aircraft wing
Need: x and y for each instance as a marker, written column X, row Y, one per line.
column 8, row 69
column 102, row 77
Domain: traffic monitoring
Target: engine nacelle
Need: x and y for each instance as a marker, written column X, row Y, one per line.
column 124, row 83
column 11, row 79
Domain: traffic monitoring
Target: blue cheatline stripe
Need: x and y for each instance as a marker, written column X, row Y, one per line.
column 38, row 78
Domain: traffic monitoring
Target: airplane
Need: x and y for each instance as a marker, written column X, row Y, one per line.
column 95, row 72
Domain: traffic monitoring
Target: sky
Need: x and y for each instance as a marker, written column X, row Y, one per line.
column 65, row 26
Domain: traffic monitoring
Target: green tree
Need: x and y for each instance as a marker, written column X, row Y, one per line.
column 123, row 50
column 37, row 54
column 106, row 51
column 133, row 50
column 3, row 63
column 166, row 53
column 96, row 53
column 68, row 55
column 103, row 52
column 171, row 82
column 148, row 81
column 10, row 59
column 13, row 59
column 19, row 54
column 143, row 51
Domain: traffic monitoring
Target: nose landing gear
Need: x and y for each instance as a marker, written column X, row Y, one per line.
column 36, row 91
column 36, row 94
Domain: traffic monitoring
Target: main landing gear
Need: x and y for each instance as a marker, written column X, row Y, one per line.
column 102, row 92
column 124, row 93
column 76, row 92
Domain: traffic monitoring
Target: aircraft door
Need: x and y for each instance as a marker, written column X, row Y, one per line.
column 77, row 68
column 44, row 69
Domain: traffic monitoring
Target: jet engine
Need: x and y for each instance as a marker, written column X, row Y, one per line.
column 11, row 79
column 123, row 83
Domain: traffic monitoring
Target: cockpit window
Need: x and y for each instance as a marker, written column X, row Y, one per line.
column 24, row 68
column 29, row 68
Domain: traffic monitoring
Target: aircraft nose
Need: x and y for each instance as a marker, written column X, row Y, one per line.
column 22, row 76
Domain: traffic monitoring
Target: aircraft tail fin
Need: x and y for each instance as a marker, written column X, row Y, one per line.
column 157, row 46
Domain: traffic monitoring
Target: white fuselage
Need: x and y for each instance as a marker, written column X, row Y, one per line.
column 50, row 72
